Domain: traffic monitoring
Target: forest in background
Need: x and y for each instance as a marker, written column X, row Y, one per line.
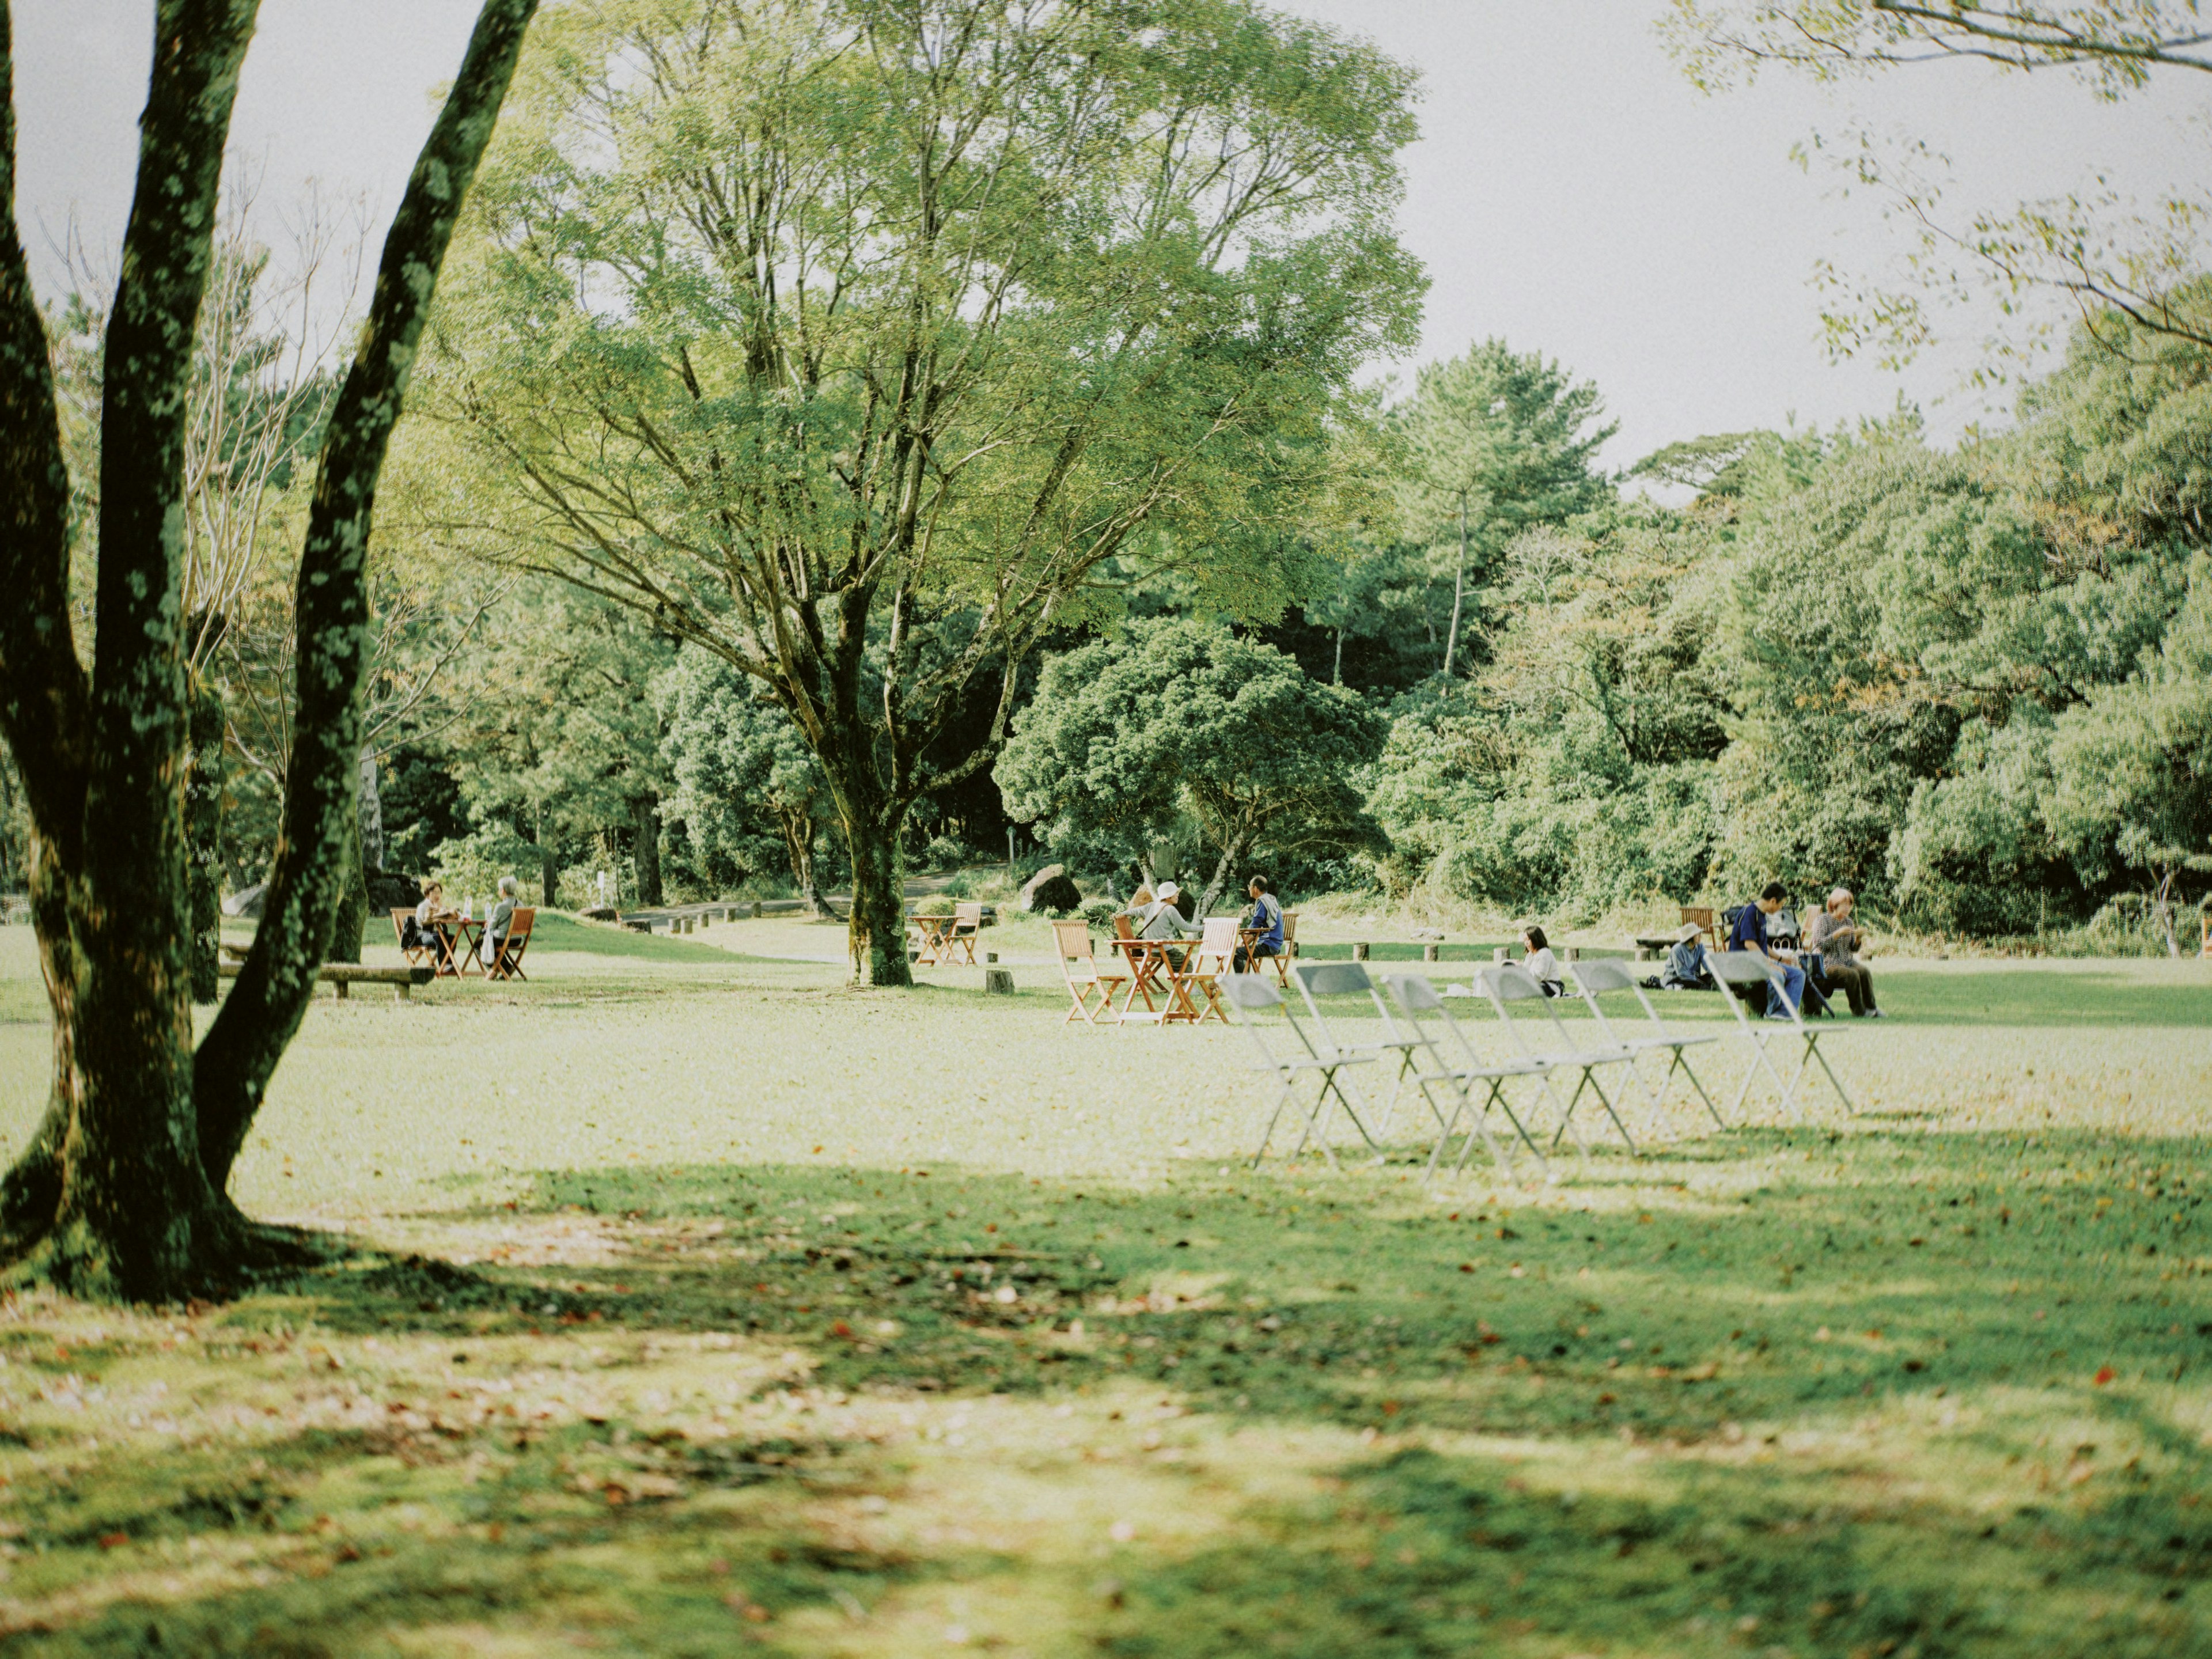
column 1419, row 645
column 1975, row 685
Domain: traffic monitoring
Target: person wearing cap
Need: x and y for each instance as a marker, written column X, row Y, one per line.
column 1685, row 968
column 1161, row 919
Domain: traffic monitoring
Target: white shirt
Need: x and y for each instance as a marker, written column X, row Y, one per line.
column 1543, row 965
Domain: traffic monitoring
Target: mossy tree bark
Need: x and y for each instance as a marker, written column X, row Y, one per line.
column 120, row 1193
column 352, row 896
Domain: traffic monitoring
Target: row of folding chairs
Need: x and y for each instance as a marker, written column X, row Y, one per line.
column 1423, row 1044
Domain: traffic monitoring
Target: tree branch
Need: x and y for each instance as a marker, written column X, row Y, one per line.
column 271, row 997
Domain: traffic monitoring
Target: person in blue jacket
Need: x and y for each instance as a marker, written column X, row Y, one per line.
column 1267, row 918
column 1749, row 933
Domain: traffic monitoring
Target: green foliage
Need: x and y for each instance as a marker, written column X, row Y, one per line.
column 752, row 796
column 473, row 865
column 1181, row 717
column 1969, row 685
column 860, row 343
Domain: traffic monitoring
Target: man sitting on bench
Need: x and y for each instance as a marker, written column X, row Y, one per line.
column 1749, row 934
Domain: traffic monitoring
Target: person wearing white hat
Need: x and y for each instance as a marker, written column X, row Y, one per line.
column 1686, row 962
column 1161, row 919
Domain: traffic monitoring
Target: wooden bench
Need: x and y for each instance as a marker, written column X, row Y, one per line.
column 1653, row 947
column 338, row 975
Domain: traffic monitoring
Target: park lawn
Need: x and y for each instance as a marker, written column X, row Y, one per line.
column 703, row 1304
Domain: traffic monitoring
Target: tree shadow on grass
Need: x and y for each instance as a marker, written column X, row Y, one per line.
column 1635, row 1417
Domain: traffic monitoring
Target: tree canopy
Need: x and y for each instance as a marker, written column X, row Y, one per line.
column 860, row 343
column 1185, row 717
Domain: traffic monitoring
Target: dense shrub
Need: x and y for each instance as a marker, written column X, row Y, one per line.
column 1057, row 896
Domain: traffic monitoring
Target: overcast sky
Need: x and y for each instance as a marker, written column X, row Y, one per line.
column 1570, row 191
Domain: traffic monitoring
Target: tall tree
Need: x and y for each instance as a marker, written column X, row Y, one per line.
column 860, row 341
column 1497, row 441
column 121, row 1191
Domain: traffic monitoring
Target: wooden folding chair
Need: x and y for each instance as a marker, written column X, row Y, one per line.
column 967, row 923
column 1509, row 987
column 1703, row 917
column 1458, row 1069
column 508, row 963
column 1602, row 976
column 419, row 954
column 1146, row 964
column 1252, row 996
column 1214, row 955
column 1072, row 942
column 1741, row 968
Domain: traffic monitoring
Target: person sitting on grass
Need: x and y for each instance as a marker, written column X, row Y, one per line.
column 1685, row 968
column 1837, row 938
column 1265, row 921
column 1541, row 964
column 1749, row 934
column 498, row 921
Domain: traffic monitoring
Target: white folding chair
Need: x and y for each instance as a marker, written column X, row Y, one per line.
column 1509, row 986
column 1734, row 968
column 1602, row 976
column 1349, row 979
column 1458, row 1069
column 1251, row 996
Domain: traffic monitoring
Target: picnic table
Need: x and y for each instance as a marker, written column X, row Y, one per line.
column 933, row 937
column 1151, row 969
column 941, row 939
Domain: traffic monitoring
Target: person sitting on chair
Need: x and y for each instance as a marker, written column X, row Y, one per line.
column 1541, row 965
column 1836, row 937
column 1685, row 968
column 1749, row 933
column 1161, row 919
column 1266, row 921
column 423, row 931
column 497, row 924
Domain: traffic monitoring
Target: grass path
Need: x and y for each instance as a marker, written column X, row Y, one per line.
column 706, row 1305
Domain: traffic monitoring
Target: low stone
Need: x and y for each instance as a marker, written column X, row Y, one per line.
column 1028, row 900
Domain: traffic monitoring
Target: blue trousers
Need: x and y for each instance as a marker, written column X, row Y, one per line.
column 1793, row 977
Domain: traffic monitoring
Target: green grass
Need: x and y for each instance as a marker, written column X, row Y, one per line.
column 704, row 1305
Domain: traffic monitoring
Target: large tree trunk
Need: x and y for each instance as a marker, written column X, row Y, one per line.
column 644, row 815
column 352, row 913
column 275, row 985
column 120, row 1192
column 204, row 835
column 877, row 927
column 549, row 865
column 133, row 1216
